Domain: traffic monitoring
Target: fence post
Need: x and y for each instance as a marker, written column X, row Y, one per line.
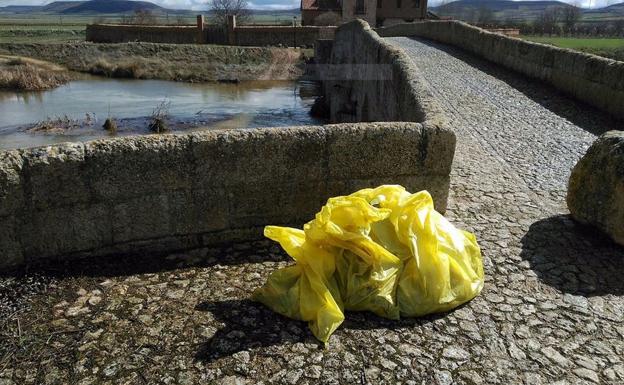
column 201, row 36
column 231, row 29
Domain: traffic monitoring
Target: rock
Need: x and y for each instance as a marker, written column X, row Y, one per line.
column 442, row 377
column 455, row 353
column 596, row 187
column 555, row 357
column 587, row 374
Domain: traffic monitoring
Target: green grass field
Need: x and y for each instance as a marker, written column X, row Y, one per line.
column 608, row 47
column 59, row 29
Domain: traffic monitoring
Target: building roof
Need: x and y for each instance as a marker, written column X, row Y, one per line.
column 320, row 5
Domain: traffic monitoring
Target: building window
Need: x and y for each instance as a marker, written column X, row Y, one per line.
column 359, row 7
column 398, row 3
column 416, row 3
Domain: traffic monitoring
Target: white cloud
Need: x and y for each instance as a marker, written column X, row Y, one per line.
column 180, row 4
column 275, row 4
column 582, row 3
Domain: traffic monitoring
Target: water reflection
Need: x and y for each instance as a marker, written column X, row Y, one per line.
column 131, row 102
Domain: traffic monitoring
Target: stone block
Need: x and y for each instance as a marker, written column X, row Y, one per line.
column 233, row 157
column 258, row 205
column 596, row 187
column 11, row 183
column 375, row 149
column 137, row 166
column 54, row 176
column 141, row 218
column 60, row 231
column 439, row 149
column 10, row 249
column 198, row 211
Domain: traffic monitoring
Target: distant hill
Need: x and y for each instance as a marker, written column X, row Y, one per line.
column 514, row 10
column 501, row 9
column 59, row 6
column 613, row 10
column 89, row 7
column 111, row 7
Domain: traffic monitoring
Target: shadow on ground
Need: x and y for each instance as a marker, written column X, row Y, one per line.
column 574, row 258
column 146, row 263
column 251, row 325
column 580, row 113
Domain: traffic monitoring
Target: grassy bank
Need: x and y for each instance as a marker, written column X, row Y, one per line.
column 180, row 62
column 24, row 74
column 607, row 47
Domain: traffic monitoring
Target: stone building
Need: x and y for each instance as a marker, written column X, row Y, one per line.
column 375, row 12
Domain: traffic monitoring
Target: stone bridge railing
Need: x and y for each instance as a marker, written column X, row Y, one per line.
column 162, row 193
column 595, row 80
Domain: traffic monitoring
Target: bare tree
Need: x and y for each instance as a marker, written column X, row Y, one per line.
column 570, row 16
column 547, row 21
column 618, row 27
column 140, row 16
column 220, row 10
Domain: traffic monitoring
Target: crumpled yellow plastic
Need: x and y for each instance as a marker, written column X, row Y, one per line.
column 382, row 250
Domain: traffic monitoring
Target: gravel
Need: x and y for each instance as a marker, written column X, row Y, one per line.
column 552, row 309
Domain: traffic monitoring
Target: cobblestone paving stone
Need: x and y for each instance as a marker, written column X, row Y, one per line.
column 552, row 310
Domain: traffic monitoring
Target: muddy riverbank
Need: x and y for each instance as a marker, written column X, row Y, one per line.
column 178, row 62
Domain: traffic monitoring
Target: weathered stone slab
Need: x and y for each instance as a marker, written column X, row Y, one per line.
column 10, row 249
column 54, row 176
column 138, row 166
column 596, row 188
column 11, row 186
column 162, row 192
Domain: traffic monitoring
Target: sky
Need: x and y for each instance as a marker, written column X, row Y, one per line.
column 269, row 4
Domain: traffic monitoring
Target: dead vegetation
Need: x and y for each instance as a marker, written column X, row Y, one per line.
column 24, row 74
column 160, row 115
column 60, row 124
column 179, row 62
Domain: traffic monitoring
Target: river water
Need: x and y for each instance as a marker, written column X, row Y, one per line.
column 77, row 111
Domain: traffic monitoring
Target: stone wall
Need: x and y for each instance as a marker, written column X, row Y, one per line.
column 114, row 33
column 279, row 35
column 239, row 35
column 368, row 79
column 162, row 193
column 592, row 79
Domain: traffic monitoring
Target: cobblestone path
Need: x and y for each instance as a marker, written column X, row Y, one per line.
column 552, row 310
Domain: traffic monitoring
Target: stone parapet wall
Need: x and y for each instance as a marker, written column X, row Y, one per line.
column 281, row 35
column 368, row 79
column 114, row 33
column 259, row 36
column 592, row 79
column 162, row 193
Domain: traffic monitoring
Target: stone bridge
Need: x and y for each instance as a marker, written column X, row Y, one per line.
column 552, row 310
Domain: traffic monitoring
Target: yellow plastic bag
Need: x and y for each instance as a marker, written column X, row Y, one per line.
column 383, row 250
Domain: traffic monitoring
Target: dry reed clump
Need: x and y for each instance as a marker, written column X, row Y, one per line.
column 23, row 74
column 131, row 68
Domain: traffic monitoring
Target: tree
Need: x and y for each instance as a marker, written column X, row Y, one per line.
column 618, row 27
column 547, row 20
column 570, row 15
column 140, row 16
column 220, row 10
column 145, row 16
